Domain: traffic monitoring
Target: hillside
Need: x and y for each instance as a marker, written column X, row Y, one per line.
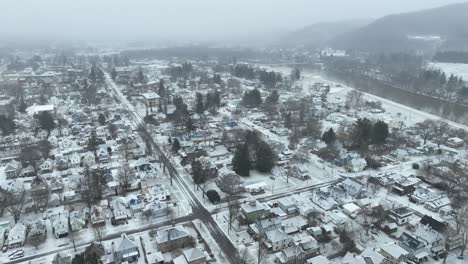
column 390, row 33
column 317, row 35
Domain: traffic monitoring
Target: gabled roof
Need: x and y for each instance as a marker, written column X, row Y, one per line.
column 193, row 254
column 124, row 243
column 276, row 235
column 433, row 223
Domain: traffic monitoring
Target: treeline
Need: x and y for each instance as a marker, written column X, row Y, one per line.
column 180, row 71
column 268, row 78
column 401, row 71
column 451, row 56
column 191, row 52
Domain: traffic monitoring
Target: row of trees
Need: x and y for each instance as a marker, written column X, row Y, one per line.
column 365, row 132
column 211, row 101
column 268, row 78
column 253, row 153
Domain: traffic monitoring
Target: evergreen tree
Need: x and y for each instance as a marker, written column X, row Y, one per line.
column 7, row 125
column 102, row 119
column 189, row 125
column 199, row 106
column 141, row 76
column 241, row 160
column 113, row 74
column 22, row 106
column 252, row 98
column 46, row 121
column 380, row 132
column 198, row 175
column 176, row 145
column 273, row 98
column 329, row 137
column 288, row 121
column 266, row 158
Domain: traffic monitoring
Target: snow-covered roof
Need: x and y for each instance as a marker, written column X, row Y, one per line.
column 35, row 109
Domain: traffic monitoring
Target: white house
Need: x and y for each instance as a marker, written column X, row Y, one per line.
column 276, row 240
column 17, row 236
column 12, row 169
column 60, row 226
column 47, row 166
column 74, row 159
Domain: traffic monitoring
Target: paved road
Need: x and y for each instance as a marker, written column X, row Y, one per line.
column 129, row 231
column 198, row 210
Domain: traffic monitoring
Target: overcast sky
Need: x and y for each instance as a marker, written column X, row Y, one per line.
column 183, row 19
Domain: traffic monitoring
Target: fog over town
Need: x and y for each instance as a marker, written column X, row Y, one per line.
column 233, row 132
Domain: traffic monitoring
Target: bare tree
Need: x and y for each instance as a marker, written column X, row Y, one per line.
column 233, row 209
column 125, row 149
column 456, row 177
column 440, row 128
column 262, row 250
column 125, row 175
column 245, row 255
column 98, row 233
column 73, row 237
column 14, row 202
column 354, row 99
column 426, row 129
column 37, row 238
column 229, row 183
column 461, row 219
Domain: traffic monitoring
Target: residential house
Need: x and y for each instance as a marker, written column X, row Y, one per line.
column 287, row 205
column 12, row 169
column 318, row 260
column 28, row 171
column 372, row 256
column 151, row 100
column 74, row 159
column 87, row 159
column 47, row 166
column 60, row 226
column 125, row 250
column 156, row 209
column 455, row 142
column 393, row 253
column 413, row 245
column 401, row 215
column 323, row 199
column 120, row 211
column 61, row 163
column 17, row 236
column 97, row 216
column 352, row 258
column 173, row 238
column 77, row 220
column 261, row 226
column 191, row 256
column 405, row 186
column 290, row 255
column 103, row 156
column 356, row 165
column 253, row 210
column 309, row 245
column 276, row 240
column 38, row 228
column 141, row 164
column 424, row 194
column 437, row 204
